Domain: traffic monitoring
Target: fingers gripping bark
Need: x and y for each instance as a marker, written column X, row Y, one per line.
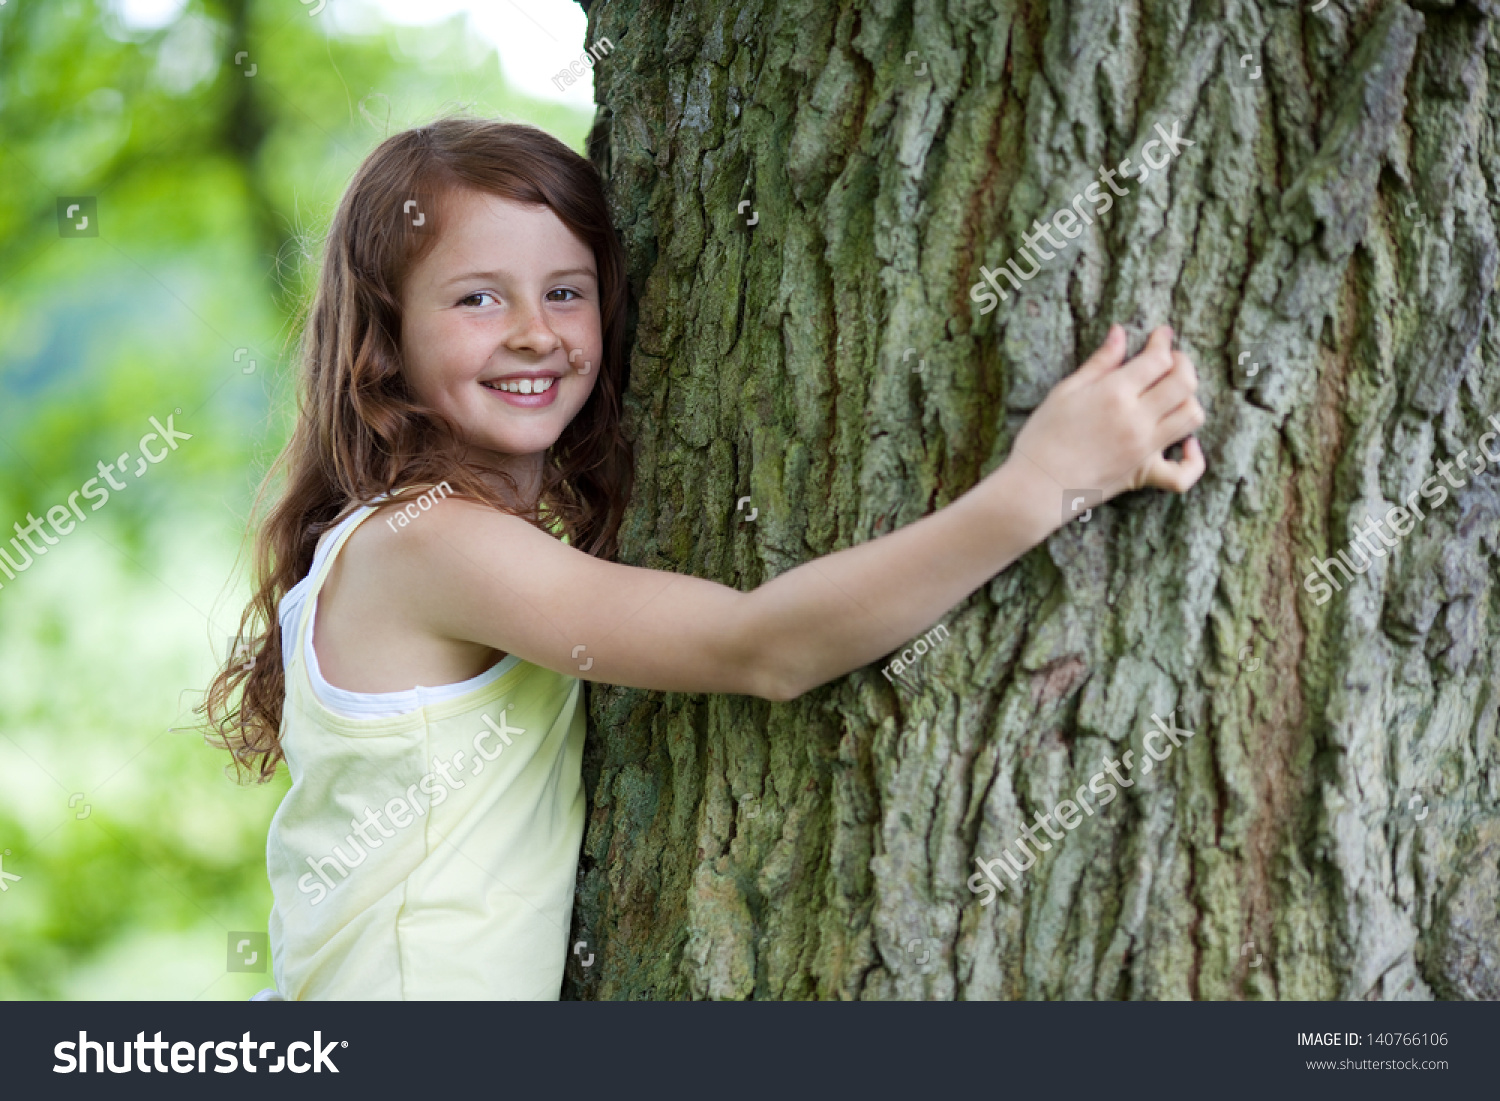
column 1106, row 425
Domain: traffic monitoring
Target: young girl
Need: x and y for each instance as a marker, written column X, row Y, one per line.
column 464, row 362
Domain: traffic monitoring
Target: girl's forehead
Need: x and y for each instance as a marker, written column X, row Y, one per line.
column 480, row 231
column 478, row 211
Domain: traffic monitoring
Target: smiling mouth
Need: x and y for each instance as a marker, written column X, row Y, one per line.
column 521, row 385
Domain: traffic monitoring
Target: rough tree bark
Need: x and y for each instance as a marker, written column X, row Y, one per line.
column 1326, row 251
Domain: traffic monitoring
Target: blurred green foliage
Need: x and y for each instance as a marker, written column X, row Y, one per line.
column 137, row 855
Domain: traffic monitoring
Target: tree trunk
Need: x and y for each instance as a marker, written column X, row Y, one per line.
column 1325, row 249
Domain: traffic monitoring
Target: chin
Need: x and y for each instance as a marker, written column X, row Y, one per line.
column 518, row 444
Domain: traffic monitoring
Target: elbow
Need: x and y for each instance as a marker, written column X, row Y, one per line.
column 771, row 681
column 774, row 681
column 761, row 665
column 779, row 690
column 771, row 669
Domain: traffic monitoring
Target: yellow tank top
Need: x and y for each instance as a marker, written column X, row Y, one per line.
column 429, row 855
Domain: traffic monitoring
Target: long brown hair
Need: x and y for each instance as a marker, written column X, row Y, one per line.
column 361, row 433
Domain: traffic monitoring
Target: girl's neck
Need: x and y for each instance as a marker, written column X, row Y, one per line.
column 526, row 470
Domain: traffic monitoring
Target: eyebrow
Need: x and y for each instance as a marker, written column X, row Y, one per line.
column 501, row 274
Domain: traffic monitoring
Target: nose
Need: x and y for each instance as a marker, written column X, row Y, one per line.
column 532, row 332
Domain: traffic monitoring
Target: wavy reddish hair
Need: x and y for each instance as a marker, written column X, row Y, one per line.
column 361, row 433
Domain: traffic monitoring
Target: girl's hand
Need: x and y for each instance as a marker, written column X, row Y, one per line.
column 1104, row 427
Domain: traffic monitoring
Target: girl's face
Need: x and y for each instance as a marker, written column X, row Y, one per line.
column 507, row 297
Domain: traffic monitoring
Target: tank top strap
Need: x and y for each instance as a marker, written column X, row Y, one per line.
column 323, row 560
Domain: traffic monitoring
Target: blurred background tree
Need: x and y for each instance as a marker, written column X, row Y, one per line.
column 214, row 138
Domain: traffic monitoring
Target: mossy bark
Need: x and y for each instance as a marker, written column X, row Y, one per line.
column 1326, row 252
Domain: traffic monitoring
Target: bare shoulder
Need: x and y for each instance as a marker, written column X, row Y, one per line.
column 419, row 551
column 454, row 524
column 423, row 531
column 431, row 512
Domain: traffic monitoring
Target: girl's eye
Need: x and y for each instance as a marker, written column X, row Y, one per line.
column 566, row 290
column 468, row 299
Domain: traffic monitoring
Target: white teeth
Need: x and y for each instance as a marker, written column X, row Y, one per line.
column 524, row 386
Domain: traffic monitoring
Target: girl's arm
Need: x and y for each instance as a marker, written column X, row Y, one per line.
column 469, row 572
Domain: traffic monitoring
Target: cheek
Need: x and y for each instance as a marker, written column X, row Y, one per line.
column 417, row 370
column 436, row 356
